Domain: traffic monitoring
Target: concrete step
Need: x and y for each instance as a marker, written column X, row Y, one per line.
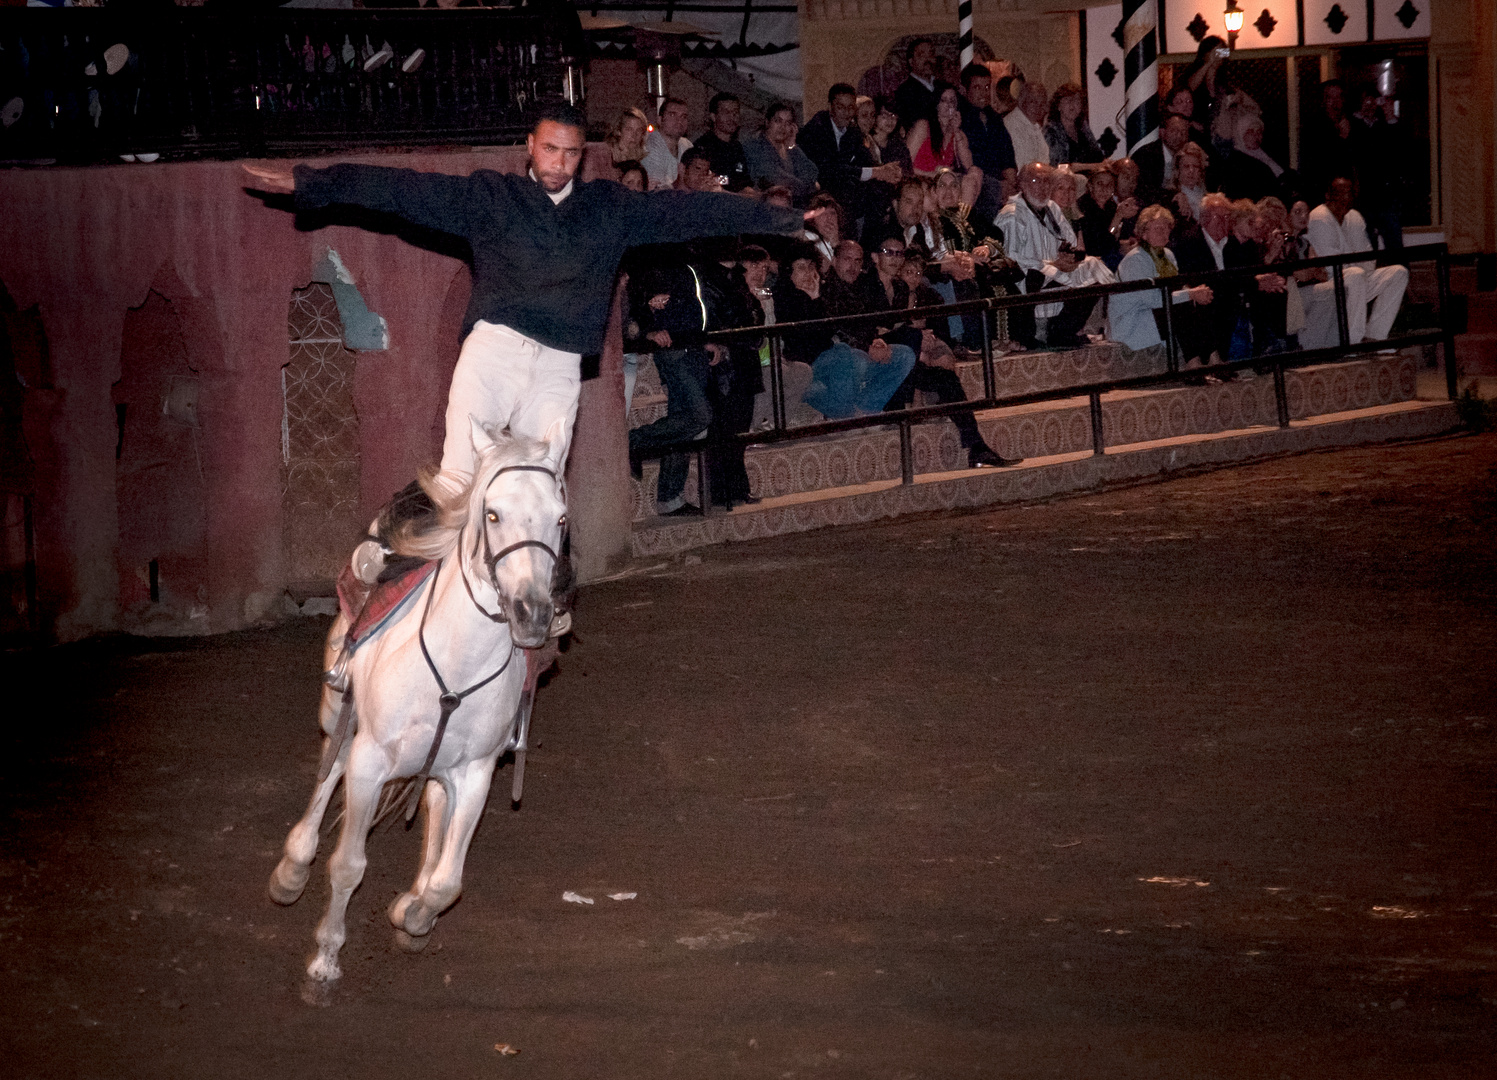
column 1042, row 477
column 1047, row 429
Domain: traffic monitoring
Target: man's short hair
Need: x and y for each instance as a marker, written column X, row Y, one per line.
column 1330, row 185
column 910, row 182
column 752, row 253
column 838, row 89
column 909, row 50
column 696, row 153
column 559, row 112
column 777, row 107
column 890, row 235
column 1193, row 150
column 719, row 99
column 974, row 71
column 1216, row 203
column 673, row 101
column 1176, row 116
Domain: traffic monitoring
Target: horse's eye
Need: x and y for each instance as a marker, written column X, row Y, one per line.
column 492, row 515
column 562, row 521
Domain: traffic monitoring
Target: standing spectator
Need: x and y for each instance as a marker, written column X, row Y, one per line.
column 1200, row 79
column 739, row 374
column 1378, row 143
column 1025, row 128
column 664, row 147
column 626, row 142
column 1067, row 132
column 1337, row 229
column 1156, row 160
column 844, row 165
column 988, row 140
column 1181, row 102
column 916, row 97
column 724, row 151
column 1326, row 147
column 774, row 159
column 1131, row 317
column 940, row 144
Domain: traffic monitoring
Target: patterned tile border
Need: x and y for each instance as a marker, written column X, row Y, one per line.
column 1072, row 473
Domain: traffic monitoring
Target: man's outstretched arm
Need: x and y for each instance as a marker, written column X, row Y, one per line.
column 435, row 200
column 672, row 216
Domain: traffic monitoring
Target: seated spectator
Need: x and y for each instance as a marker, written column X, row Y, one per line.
column 1006, row 90
column 845, row 167
column 774, row 159
column 1335, row 228
column 724, row 151
column 988, row 139
column 1100, row 216
column 1259, row 299
column 1025, row 125
column 1131, row 315
column 626, row 142
column 1283, row 315
column 1181, row 102
column 887, row 139
column 1126, row 174
column 665, row 145
column 826, row 232
column 976, row 264
column 845, row 381
column 1248, row 172
column 632, row 176
column 1204, row 253
column 1067, row 132
column 1065, row 194
column 1156, row 160
column 884, row 289
column 839, row 285
column 1190, row 181
column 941, row 144
column 697, row 173
column 1038, row 237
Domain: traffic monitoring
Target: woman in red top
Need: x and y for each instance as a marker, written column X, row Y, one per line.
column 941, row 145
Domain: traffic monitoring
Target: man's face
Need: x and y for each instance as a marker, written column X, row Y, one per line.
column 909, row 208
column 844, row 110
column 849, row 262
column 889, row 257
column 805, row 277
column 726, row 120
column 1338, row 198
column 555, row 152
column 1189, row 170
column 1176, row 133
column 673, row 121
column 923, row 60
column 700, row 177
column 1216, row 222
column 1182, row 103
column 1033, row 103
column 980, row 92
column 1035, row 183
column 755, row 274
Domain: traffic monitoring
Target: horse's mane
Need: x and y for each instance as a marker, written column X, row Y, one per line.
column 459, row 505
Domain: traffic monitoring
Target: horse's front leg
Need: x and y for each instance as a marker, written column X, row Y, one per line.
column 290, row 875
column 438, row 808
column 368, row 769
column 471, row 791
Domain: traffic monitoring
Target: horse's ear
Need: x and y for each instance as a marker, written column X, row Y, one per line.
column 483, row 442
column 556, row 439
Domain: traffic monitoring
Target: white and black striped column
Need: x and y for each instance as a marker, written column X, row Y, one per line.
column 1140, row 72
column 964, row 24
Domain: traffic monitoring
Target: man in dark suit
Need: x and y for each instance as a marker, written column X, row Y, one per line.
column 833, row 140
column 988, row 138
column 916, row 97
column 1156, row 161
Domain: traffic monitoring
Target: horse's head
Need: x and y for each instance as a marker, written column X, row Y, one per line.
column 517, row 516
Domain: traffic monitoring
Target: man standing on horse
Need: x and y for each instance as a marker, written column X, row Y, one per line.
column 546, row 248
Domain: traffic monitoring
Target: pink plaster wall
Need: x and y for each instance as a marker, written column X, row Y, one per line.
column 86, row 245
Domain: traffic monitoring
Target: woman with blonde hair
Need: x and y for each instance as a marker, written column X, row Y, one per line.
column 1067, row 132
column 1131, row 315
column 626, row 142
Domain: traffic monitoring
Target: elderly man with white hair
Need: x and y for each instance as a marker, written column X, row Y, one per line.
column 1026, row 125
column 1337, row 229
column 1039, row 237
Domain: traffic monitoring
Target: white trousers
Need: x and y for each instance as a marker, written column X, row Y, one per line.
column 1381, row 288
column 505, row 379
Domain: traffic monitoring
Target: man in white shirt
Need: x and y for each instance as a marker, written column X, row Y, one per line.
column 1037, row 236
column 665, row 145
column 1337, row 229
column 1026, row 126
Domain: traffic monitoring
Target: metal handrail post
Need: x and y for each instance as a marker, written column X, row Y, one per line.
column 906, row 454
column 1442, row 277
column 1342, row 332
column 1171, row 346
column 1281, row 394
column 704, row 486
column 777, row 382
column 989, row 378
column 1099, row 443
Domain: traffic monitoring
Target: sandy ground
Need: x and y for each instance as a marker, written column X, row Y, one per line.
column 1194, row 779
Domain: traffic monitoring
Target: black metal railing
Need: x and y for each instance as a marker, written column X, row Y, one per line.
column 1441, row 330
column 82, row 85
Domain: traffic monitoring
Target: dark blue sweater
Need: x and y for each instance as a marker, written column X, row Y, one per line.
column 544, row 269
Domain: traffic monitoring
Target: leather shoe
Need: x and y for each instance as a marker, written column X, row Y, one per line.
column 983, row 456
column 684, row 510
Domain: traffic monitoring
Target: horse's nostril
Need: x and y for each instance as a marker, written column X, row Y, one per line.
column 522, row 611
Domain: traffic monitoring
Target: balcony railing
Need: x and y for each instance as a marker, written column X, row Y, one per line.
column 92, row 85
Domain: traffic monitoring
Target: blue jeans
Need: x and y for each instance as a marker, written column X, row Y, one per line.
column 844, row 382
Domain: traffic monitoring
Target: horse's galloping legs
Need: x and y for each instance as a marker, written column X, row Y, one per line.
column 289, row 877
column 438, row 809
column 442, row 887
column 366, row 774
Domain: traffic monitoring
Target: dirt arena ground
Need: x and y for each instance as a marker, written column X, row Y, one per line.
column 1194, row 779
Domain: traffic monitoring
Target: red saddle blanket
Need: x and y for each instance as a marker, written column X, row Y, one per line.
column 364, row 617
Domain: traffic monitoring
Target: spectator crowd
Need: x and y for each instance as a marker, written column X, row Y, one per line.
column 991, row 185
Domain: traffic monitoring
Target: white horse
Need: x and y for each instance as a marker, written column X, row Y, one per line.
column 455, row 654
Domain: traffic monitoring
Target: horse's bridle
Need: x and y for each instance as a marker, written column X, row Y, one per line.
column 491, row 558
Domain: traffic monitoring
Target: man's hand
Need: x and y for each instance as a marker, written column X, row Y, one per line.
column 1065, row 262
column 1270, row 283
column 879, row 351
column 960, row 266
column 277, row 180
column 1127, row 210
column 660, row 337
column 1201, row 294
column 981, row 254
column 891, row 172
column 659, row 300
column 816, row 217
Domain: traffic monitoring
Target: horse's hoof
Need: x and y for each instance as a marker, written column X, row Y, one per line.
column 317, row 992
column 419, row 920
column 287, row 882
column 398, row 907
column 324, row 969
column 410, row 943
